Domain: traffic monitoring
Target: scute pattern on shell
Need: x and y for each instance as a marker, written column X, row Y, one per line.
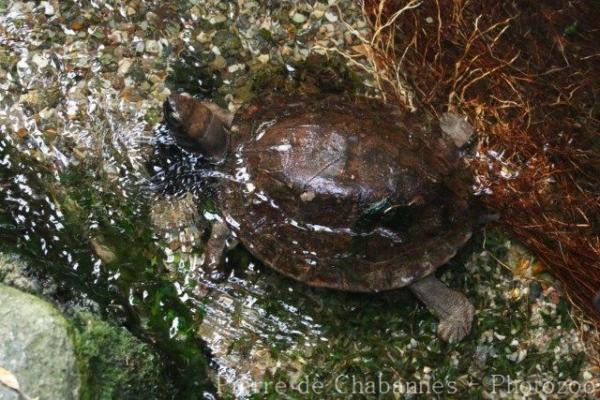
column 345, row 193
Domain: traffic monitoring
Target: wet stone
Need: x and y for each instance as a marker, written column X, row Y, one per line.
column 36, row 347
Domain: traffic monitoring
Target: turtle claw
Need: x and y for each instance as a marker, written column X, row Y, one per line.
column 458, row 324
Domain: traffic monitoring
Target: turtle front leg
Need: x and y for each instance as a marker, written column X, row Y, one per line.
column 215, row 249
column 452, row 308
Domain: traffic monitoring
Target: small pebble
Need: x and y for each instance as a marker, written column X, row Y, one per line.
column 263, row 58
column 219, row 62
column 203, row 37
column 139, row 47
column 48, row 8
column 40, row 60
column 318, row 14
column 299, row 18
column 152, row 46
column 117, row 37
column 217, row 19
column 124, row 65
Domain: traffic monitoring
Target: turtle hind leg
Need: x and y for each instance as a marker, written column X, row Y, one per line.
column 452, row 308
column 214, row 251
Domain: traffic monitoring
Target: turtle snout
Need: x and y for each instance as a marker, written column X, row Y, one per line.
column 186, row 114
column 171, row 115
column 186, row 118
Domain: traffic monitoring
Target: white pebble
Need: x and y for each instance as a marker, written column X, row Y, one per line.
column 48, row 8
column 299, row 18
column 40, row 60
column 152, row 46
column 124, row 65
column 331, row 17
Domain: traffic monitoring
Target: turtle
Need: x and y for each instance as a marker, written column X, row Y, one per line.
column 337, row 191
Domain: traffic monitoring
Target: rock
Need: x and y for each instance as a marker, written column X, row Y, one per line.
column 48, row 8
column 37, row 347
column 102, row 250
column 227, row 43
column 203, row 37
column 118, row 37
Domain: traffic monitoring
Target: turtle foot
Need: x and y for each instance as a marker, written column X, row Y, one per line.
column 452, row 308
column 457, row 325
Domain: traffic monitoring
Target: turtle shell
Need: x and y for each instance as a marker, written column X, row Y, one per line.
column 344, row 193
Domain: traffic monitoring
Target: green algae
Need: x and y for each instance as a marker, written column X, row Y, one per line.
column 130, row 370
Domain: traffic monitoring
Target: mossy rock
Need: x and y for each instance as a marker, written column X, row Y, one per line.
column 115, row 364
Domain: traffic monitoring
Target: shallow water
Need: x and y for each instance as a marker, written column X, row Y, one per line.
column 79, row 107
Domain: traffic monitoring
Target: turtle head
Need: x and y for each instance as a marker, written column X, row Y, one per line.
column 198, row 127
